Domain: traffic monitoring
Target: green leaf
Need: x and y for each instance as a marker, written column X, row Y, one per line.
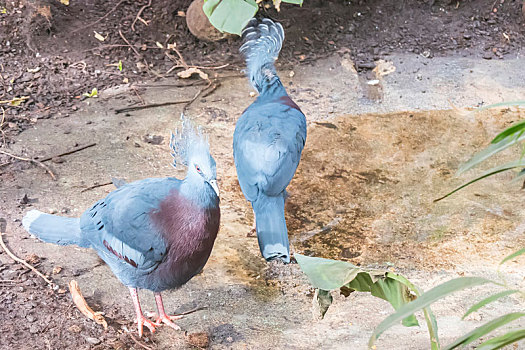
column 327, row 274
column 492, row 149
column 512, row 256
column 488, row 300
column 93, row 93
column 519, row 127
column 501, row 341
column 508, row 166
column 323, row 298
column 425, row 300
column 230, row 16
column 427, row 312
column 297, row 2
column 484, row 329
column 119, row 66
column 397, row 294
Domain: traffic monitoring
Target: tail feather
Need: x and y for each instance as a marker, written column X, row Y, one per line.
column 271, row 227
column 262, row 43
column 53, row 229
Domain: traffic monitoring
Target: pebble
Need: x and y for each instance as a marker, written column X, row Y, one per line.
column 94, row 341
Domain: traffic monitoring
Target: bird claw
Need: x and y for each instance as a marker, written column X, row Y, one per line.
column 167, row 320
column 145, row 322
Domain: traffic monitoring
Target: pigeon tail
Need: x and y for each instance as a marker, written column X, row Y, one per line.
column 262, row 43
column 271, row 227
column 54, row 229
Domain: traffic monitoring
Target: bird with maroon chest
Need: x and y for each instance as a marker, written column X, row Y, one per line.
column 154, row 234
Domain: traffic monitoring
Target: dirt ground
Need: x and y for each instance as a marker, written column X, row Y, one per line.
column 375, row 158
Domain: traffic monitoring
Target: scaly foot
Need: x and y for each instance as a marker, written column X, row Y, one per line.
column 167, row 320
column 143, row 321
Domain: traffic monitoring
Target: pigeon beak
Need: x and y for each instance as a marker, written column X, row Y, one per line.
column 213, row 184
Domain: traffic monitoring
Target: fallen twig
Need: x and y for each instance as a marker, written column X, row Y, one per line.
column 192, row 311
column 144, row 346
column 206, row 91
column 21, row 261
column 96, row 186
column 101, row 18
column 83, row 306
column 152, row 105
column 2, row 125
column 74, row 150
column 138, row 15
column 32, row 161
column 131, row 46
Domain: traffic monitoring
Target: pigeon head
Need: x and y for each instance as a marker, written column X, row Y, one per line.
column 190, row 148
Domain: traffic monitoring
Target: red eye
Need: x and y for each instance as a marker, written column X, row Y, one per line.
column 197, row 168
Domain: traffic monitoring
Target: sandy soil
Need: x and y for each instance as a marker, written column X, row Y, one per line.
column 376, row 173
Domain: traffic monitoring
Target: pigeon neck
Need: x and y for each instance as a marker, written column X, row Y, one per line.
column 195, row 188
column 272, row 88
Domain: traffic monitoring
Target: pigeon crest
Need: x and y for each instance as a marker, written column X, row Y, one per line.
column 187, row 141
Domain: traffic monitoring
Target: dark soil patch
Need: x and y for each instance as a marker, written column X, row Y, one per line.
column 49, row 52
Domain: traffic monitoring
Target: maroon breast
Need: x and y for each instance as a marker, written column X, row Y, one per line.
column 189, row 232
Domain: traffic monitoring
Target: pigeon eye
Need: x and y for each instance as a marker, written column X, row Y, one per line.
column 198, row 168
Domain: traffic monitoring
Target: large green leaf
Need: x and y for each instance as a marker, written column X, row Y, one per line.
column 425, row 300
column 513, row 255
column 484, row 329
column 230, row 16
column 488, row 300
column 329, row 274
column 499, row 169
column 501, row 341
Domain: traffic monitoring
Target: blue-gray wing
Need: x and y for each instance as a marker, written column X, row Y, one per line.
column 267, row 146
column 119, row 226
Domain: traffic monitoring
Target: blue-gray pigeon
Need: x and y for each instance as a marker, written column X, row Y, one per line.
column 268, row 140
column 154, row 234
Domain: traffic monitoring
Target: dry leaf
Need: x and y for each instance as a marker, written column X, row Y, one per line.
column 190, row 71
column 172, row 46
column 159, row 45
column 44, row 11
column 99, row 37
column 181, row 13
column 384, row 68
column 57, row 269
column 83, row 307
column 64, row 2
column 277, row 5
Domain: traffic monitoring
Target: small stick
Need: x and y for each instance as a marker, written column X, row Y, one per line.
column 32, row 161
column 206, row 91
column 192, row 311
column 74, row 150
column 153, row 105
column 127, row 42
column 101, row 18
column 139, row 343
column 2, row 125
column 21, row 261
column 96, row 186
column 138, row 15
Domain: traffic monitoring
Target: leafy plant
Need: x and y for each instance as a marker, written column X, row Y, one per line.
column 449, row 287
column 513, row 135
column 231, row 16
column 93, row 93
column 327, row 275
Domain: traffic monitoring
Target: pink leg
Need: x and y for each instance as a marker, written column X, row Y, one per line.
column 141, row 320
column 163, row 317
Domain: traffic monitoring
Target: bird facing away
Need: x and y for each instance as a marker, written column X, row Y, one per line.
column 268, row 139
column 154, row 234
